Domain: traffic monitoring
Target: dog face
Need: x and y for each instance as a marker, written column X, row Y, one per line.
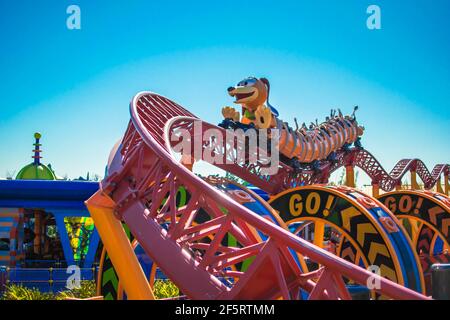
column 250, row 93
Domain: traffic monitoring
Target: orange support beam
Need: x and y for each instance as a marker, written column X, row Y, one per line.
column 446, row 185
column 319, row 233
column 414, row 184
column 439, row 186
column 119, row 249
column 375, row 190
column 350, row 176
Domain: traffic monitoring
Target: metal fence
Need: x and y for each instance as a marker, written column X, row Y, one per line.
column 44, row 279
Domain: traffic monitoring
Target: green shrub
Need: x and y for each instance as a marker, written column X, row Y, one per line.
column 162, row 289
column 15, row 292
column 87, row 290
column 165, row 289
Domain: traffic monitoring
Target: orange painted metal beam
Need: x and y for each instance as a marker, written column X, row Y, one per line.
column 119, row 248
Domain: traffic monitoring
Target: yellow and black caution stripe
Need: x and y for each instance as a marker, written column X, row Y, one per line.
column 430, row 213
column 423, row 207
column 108, row 280
column 363, row 234
column 425, row 239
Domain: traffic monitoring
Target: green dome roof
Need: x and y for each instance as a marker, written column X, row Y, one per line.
column 36, row 170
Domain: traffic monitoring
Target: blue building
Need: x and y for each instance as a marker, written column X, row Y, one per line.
column 45, row 225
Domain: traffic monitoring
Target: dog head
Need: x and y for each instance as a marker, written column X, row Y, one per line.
column 250, row 92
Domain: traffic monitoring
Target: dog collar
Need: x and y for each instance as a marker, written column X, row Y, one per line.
column 249, row 115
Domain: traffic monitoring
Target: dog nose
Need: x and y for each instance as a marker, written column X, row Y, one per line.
column 230, row 89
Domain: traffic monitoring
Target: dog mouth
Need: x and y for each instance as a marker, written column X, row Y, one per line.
column 240, row 96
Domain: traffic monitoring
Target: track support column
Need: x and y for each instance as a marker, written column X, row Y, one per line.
column 439, row 186
column 350, row 176
column 319, row 233
column 446, row 185
column 375, row 189
column 414, row 184
column 119, row 248
column 415, row 226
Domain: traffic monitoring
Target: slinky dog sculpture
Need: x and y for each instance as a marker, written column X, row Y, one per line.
column 301, row 145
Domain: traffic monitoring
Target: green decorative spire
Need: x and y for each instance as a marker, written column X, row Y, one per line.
column 36, row 170
column 37, row 152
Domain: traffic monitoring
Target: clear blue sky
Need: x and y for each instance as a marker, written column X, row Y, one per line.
column 74, row 86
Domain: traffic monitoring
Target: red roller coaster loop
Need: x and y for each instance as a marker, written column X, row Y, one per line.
column 143, row 184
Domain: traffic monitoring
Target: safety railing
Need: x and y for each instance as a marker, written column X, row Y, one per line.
column 44, row 279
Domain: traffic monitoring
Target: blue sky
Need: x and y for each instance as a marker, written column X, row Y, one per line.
column 74, row 86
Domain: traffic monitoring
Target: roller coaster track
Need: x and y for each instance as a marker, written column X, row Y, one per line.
column 141, row 191
column 387, row 181
column 287, row 177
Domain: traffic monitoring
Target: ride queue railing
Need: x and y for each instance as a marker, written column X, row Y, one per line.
column 51, row 279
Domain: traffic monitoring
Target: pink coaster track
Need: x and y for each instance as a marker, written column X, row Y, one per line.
column 388, row 181
column 143, row 183
column 288, row 178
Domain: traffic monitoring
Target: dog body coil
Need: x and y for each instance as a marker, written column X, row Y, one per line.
column 303, row 145
column 317, row 143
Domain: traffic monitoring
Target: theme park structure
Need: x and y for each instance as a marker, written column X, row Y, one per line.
column 45, row 227
column 218, row 239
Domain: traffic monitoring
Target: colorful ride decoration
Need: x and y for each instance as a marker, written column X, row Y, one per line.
column 80, row 230
column 108, row 280
column 36, row 170
column 11, row 237
column 311, row 144
column 44, row 203
column 300, row 146
column 369, row 234
column 141, row 191
column 33, row 171
column 427, row 215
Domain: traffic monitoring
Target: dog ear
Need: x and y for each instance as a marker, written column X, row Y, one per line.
column 267, row 83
